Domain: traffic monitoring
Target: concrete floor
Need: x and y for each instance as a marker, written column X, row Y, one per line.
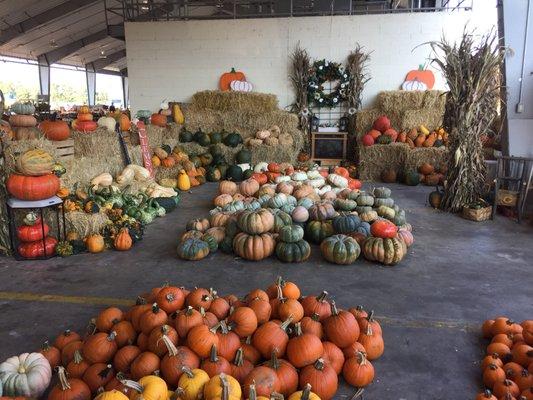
column 457, row 274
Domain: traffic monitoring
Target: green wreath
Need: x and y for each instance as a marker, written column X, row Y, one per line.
column 322, row 72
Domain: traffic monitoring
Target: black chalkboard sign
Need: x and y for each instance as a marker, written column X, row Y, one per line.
column 326, row 146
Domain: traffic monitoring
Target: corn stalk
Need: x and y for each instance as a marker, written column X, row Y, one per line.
column 299, row 76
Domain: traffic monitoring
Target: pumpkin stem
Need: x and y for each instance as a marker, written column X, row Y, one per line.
column 280, row 281
column 319, row 364
column 213, row 356
column 334, row 310
column 187, row 371
column 239, row 357
column 105, row 372
column 298, row 329
column 274, row 362
column 315, row 317
column 155, row 308
column 322, row 296
column 276, row 396
column 286, row 323
column 370, row 317
column 140, row 301
column 132, row 385
column 306, row 392
column 225, row 386
column 420, row 67
column 233, row 70
column 280, row 293
column 77, row 357
column 170, row 297
column 112, row 335
column 178, row 394
column 223, row 327
column 189, row 311
column 358, row 393
column 91, row 327
column 63, row 380
column 252, row 394
column 172, row 350
column 248, row 340
column 46, row 346
column 361, row 357
column 67, row 332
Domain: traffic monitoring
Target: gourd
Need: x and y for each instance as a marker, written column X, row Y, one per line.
column 104, row 180
column 27, row 374
column 107, row 122
column 123, row 240
column 158, row 120
column 184, row 182
column 177, row 114
column 340, row 249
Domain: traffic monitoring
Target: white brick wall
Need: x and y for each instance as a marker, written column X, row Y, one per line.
column 173, row 60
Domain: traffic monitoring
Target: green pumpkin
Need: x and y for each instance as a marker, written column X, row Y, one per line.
column 244, row 156
column 291, row 233
column 58, row 170
column 346, row 223
column 219, row 159
column 167, row 148
column 281, row 219
column 232, row 139
column 226, row 246
column 305, row 202
column 235, row 205
column 317, row 231
column 193, row 249
column 399, row 219
column 365, row 200
column 203, row 139
column 278, row 200
column 234, row 173
column 412, row 178
column 388, row 202
column 211, row 242
column 64, row 249
column 168, row 203
column 384, row 139
column 345, row 204
column 386, row 212
column 223, row 168
column 247, row 174
column 382, row 192
column 216, row 137
column 185, row 136
column 293, row 252
column 340, row 249
column 232, row 228
column 364, row 228
column 438, row 143
column 288, row 208
column 212, row 174
column 385, row 251
column 78, row 246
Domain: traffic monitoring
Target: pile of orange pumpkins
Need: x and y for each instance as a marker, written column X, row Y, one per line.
column 269, row 343
column 508, row 365
column 84, row 121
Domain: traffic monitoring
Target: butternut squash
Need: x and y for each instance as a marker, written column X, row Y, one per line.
column 184, row 182
column 104, row 180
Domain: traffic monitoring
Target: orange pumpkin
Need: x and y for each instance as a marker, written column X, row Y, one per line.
column 228, row 77
column 125, row 123
column 85, row 117
column 342, row 172
column 158, row 120
column 168, row 162
column 156, row 161
column 55, row 130
column 260, row 178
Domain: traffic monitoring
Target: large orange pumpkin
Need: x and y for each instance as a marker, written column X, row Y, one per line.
column 55, row 130
column 32, row 187
column 86, row 126
column 228, row 77
column 158, row 120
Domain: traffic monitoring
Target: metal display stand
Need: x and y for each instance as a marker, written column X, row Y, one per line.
column 54, row 203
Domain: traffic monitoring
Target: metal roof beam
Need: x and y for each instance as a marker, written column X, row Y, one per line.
column 57, row 54
column 101, row 63
column 40, row 19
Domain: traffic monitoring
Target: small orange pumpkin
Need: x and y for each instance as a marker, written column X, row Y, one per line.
column 158, row 120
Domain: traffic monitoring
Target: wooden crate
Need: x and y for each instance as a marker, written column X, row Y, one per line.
column 64, row 149
column 477, row 214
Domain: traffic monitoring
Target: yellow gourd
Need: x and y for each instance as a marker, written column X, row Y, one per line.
column 424, row 130
column 177, row 114
column 305, row 394
column 191, row 383
column 222, row 387
column 149, row 387
column 111, row 395
column 184, row 182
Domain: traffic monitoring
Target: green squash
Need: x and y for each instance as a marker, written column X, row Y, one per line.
column 203, row 139
column 363, row 209
column 234, row 173
column 185, row 136
column 340, row 249
column 168, row 203
column 291, row 233
column 193, row 249
column 386, row 212
column 219, row 159
column 317, row 231
column 346, row 223
column 293, row 252
column 244, row 156
column 385, row 251
column 399, row 219
column 365, row 200
column 212, row 174
column 232, row 139
column 247, row 174
column 216, row 137
column 412, row 178
column 223, row 168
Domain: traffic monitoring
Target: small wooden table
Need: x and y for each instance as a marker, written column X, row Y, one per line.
column 328, row 148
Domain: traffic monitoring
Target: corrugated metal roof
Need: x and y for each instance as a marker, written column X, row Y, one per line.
column 57, row 32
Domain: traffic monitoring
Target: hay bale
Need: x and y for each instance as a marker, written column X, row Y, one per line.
column 429, row 117
column 170, row 172
column 374, row 159
column 278, row 154
column 433, row 155
column 364, row 120
column 85, row 224
column 253, row 103
column 194, row 149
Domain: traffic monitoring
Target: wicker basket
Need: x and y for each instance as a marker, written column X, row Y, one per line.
column 477, row 214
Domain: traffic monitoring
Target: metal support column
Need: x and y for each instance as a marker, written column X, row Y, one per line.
column 125, row 91
column 44, row 76
column 90, row 73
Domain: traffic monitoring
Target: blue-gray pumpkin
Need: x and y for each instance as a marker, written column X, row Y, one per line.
column 293, row 252
column 340, row 249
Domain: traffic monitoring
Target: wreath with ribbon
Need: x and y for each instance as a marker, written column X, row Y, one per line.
column 322, row 72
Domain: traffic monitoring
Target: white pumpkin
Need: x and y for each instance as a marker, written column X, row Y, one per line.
column 244, row 167
column 330, row 196
column 26, row 375
column 338, row 180
column 414, row 85
column 299, row 176
column 107, row 122
column 313, row 174
column 316, row 183
column 261, row 167
column 300, row 214
column 282, row 178
column 262, row 134
column 323, row 189
column 241, row 86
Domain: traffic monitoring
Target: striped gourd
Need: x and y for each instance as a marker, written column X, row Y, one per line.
column 35, row 163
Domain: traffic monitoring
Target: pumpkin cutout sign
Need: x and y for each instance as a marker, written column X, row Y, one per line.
column 241, row 86
column 417, row 79
column 228, row 77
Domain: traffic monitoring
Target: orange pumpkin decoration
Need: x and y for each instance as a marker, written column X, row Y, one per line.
column 421, row 75
column 228, row 77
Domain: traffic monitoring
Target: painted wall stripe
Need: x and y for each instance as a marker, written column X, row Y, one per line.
column 27, row 296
